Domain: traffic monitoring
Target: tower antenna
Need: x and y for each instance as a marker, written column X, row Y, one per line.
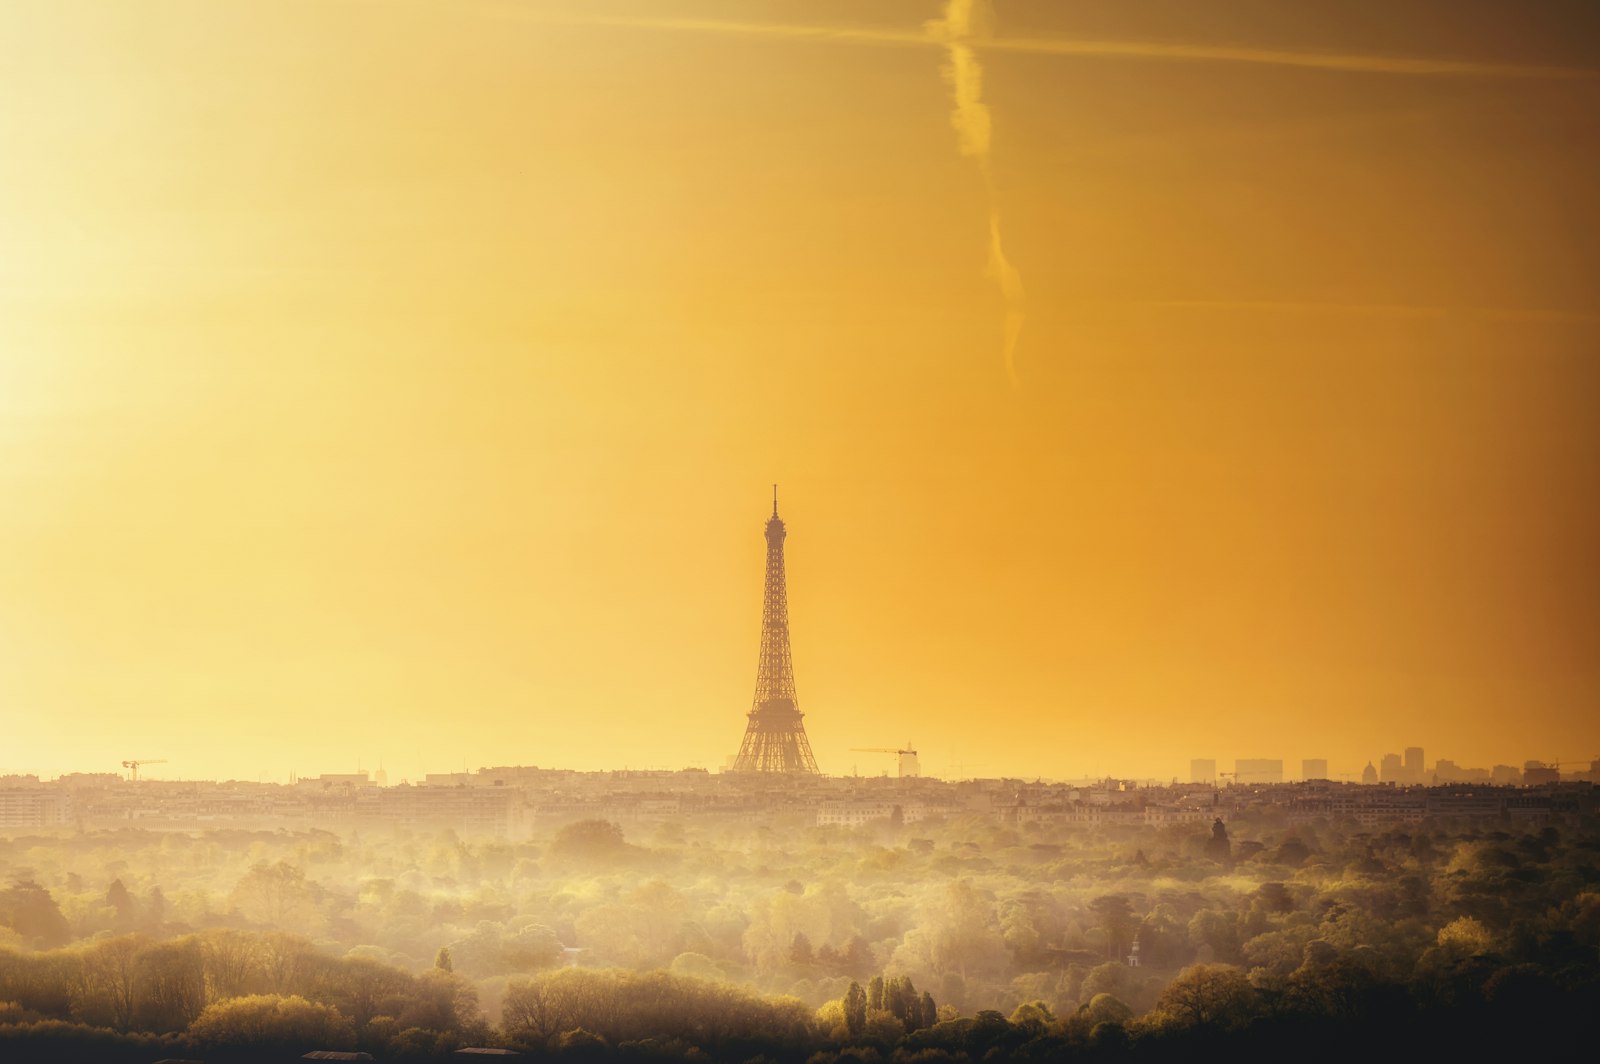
column 774, row 500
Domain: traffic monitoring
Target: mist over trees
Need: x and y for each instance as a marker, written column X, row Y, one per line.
column 948, row 939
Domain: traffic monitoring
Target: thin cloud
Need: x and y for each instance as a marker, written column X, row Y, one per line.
column 1150, row 51
column 958, row 36
column 974, row 130
column 822, row 34
column 1349, row 62
column 1416, row 312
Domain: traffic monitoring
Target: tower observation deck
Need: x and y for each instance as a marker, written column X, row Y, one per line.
column 775, row 737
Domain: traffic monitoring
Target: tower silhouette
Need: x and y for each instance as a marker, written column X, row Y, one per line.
column 775, row 739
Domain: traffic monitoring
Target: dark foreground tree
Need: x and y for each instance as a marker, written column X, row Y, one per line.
column 268, row 1023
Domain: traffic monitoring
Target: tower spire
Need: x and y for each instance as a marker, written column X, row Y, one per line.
column 775, row 737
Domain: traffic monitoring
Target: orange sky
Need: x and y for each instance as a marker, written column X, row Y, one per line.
column 405, row 381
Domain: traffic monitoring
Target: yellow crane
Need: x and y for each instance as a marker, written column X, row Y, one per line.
column 908, row 765
column 133, row 766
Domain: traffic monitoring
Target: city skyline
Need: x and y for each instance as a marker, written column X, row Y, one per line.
column 1178, row 635
column 397, row 383
column 1435, row 771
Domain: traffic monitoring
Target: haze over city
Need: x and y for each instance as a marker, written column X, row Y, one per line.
column 403, row 383
column 799, row 531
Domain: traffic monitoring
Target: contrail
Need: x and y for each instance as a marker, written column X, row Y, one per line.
column 963, row 33
column 1349, row 62
column 1420, row 312
column 1150, row 51
column 973, row 131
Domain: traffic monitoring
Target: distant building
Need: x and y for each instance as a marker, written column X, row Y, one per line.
column 1506, row 774
column 1461, row 801
column 1413, row 765
column 1314, row 768
column 1369, row 775
column 910, row 768
column 853, row 814
column 335, row 781
column 1447, row 771
column 33, row 807
column 1366, row 806
column 1391, row 768
column 1258, row 770
column 498, row 811
column 88, row 779
column 1537, row 773
column 1203, row 770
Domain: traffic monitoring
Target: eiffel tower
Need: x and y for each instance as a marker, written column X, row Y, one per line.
column 775, row 739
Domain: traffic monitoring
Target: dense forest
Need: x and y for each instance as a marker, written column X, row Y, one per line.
column 961, row 938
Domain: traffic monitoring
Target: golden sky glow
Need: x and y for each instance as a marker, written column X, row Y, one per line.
column 406, row 380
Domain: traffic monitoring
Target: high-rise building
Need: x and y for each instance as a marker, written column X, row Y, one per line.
column 1203, row 770
column 1391, row 768
column 1447, row 771
column 910, row 767
column 1506, row 774
column 1258, row 770
column 1414, row 773
column 775, row 735
column 1537, row 773
column 1314, row 768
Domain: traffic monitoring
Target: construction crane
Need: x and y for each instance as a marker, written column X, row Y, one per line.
column 1588, row 766
column 133, row 766
column 909, row 766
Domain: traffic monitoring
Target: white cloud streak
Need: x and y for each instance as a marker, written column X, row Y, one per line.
column 1402, row 311
column 963, row 21
column 1149, row 51
column 963, row 34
